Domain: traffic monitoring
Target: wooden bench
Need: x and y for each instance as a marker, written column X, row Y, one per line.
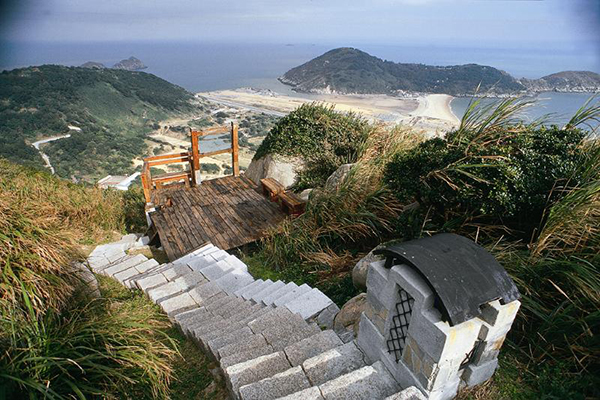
column 291, row 204
column 272, row 188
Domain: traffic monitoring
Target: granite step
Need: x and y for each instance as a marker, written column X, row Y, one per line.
column 288, row 288
column 216, row 270
column 312, row 393
column 410, row 393
column 302, row 289
column 333, row 363
column 234, row 281
column 236, row 263
column 226, row 338
column 177, row 304
column 134, row 271
column 278, row 385
column 367, row 383
column 126, row 263
column 254, row 370
column 312, row 346
column 309, row 304
column 267, row 291
column 206, row 249
column 256, row 289
column 241, row 292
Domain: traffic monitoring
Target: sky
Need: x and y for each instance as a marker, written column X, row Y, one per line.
column 565, row 23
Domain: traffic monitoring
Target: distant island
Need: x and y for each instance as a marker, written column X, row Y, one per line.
column 348, row 70
column 129, row 64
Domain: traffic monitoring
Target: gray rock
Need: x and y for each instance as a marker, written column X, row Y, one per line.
column 298, row 352
column 254, row 370
column 278, row 385
column 282, row 169
column 370, row 382
column 349, row 316
column 326, row 317
column 336, row 179
column 360, row 270
column 305, row 195
column 333, row 363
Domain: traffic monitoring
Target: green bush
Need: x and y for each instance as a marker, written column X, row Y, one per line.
column 323, row 138
column 509, row 181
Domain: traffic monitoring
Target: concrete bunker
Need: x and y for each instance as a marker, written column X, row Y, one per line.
column 438, row 311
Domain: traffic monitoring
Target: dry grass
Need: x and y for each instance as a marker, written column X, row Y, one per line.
column 42, row 221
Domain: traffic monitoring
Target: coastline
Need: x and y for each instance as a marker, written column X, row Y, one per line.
column 431, row 113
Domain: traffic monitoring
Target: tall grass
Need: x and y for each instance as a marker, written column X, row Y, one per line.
column 338, row 225
column 54, row 341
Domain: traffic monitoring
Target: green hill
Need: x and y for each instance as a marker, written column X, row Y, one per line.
column 115, row 110
column 348, row 70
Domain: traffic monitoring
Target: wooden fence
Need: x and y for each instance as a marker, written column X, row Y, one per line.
column 190, row 176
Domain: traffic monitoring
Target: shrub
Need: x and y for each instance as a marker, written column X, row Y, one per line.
column 323, row 138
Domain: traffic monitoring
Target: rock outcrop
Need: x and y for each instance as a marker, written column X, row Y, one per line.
column 93, row 65
column 336, row 179
column 283, row 169
column 130, row 64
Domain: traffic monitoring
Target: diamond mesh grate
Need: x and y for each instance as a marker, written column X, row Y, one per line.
column 400, row 322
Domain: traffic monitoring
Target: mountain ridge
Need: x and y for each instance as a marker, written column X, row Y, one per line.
column 349, row 70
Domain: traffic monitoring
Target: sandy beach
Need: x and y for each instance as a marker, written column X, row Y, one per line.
column 431, row 113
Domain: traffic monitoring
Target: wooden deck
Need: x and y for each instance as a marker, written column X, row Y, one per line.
column 228, row 212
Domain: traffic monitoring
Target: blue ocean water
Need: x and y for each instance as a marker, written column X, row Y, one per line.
column 200, row 66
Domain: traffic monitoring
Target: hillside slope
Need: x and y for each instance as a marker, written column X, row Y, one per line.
column 114, row 110
column 347, row 70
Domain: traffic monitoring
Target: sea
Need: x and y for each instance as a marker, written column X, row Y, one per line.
column 208, row 66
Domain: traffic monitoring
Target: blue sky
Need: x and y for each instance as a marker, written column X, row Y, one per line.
column 563, row 23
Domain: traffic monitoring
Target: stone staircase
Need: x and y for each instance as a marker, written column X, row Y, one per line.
column 272, row 340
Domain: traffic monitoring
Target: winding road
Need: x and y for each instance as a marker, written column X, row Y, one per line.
column 44, row 155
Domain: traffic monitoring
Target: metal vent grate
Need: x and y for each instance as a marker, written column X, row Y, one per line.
column 400, row 322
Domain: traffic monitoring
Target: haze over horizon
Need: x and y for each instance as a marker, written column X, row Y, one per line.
column 545, row 26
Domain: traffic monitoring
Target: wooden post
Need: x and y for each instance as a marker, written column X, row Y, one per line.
column 195, row 164
column 146, row 185
column 235, row 150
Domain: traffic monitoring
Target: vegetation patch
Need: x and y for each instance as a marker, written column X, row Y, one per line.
column 323, row 138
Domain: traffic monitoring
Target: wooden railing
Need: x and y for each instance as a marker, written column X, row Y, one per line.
column 192, row 175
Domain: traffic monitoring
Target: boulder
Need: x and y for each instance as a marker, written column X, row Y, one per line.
column 348, row 318
column 283, row 169
column 359, row 272
column 337, row 178
column 305, row 194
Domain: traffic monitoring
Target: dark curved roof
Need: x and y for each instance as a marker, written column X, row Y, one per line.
column 462, row 274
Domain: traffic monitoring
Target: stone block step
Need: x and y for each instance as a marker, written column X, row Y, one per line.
column 125, row 263
column 269, row 290
column 190, row 281
column 278, row 385
column 288, row 288
column 216, row 270
column 230, row 336
column 202, row 294
column 366, row 383
column 234, row 281
column 125, row 276
column 200, row 262
column 333, row 363
column 312, row 393
column 244, row 355
column 410, row 393
column 176, row 271
column 164, row 292
column 132, row 282
column 273, row 317
column 253, row 342
column 314, row 345
column 256, row 289
column 309, row 304
column 206, row 249
column 254, row 370
column 236, row 263
column 294, row 294
column 251, row 286
column 151, row 282
column 178, row 304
